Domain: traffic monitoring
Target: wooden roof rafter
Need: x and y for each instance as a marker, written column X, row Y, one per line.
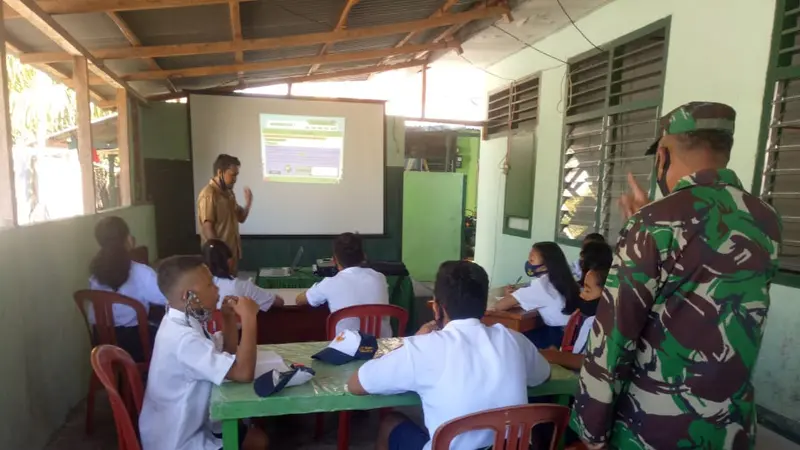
column 340, row 25
column 135, row 42
column 94, row 6
column 302, row 40
column 236, row 34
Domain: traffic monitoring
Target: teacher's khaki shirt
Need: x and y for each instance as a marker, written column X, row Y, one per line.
column 220, row 208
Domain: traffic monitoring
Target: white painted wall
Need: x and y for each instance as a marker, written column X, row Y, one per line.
column 718, row 51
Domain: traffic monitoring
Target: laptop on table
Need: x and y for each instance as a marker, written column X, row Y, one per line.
column 279, row 272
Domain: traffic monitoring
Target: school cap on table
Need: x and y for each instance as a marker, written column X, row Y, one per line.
column 348, row 346
column 695, row 116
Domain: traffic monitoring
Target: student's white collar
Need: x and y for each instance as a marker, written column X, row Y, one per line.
column 180, row 317
column 462, row 323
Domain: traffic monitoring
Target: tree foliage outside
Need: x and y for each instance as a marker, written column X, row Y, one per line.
column 39, row 105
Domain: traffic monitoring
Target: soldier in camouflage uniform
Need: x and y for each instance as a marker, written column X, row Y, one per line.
column 677, row 334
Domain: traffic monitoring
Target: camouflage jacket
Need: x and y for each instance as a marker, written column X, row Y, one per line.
column 670, row 356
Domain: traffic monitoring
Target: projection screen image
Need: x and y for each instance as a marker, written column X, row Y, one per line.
column 302, row 149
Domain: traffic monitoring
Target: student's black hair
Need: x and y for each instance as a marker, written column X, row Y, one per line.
column 172, row 269
column 461, row 289
column 596, row 256
column 225, row 162
column 348, row 248
column 594, row 237
column 111, row 265
column 216, row 255
column 559, row 274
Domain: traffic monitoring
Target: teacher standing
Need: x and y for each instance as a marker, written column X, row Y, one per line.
column 677, row 332
column 217, row 211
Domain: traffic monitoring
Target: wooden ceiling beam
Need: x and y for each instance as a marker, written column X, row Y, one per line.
column 453, row 29
column 340, row 25
column 332, row 58
column 131, row 37
column 91, row 6
column 439, row 13
column 45, row 23
column 59, row 76
column 329, row 37
column 236, row 34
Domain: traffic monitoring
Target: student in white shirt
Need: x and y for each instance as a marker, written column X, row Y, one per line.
column 577, row 272
column 187, row 361
column 112, row 270
column 457, row 365
column 353, row 285
column 553, row 293
column 220, row 261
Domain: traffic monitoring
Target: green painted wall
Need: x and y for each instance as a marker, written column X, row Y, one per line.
column 45, row 343
column 726, row 66
column 433, row 211
column 469, row 150
column 167, row 135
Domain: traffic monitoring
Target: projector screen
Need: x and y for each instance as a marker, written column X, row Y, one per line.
column 316, row 167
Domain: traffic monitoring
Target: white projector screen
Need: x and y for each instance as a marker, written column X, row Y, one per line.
column 316, row 167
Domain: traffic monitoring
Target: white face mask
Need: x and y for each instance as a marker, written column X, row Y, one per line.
column 195, row 310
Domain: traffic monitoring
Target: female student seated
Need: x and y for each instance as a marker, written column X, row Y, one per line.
column 219, row 259
column 112, row 270
column 553, row 292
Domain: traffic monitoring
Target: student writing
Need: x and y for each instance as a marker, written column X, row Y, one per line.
column 187, row 361
column 112, row 270
column 220, row 261
column 457, row 365
column 353, row 284
column 553, row 293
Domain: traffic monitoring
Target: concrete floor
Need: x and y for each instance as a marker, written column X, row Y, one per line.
column 283, row 432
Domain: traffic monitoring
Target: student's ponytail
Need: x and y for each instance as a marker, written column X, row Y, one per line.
column 112, row 264
column 216, row 255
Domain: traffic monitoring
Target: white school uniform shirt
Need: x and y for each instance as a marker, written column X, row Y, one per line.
column 465, row 368
column 186, row 363
column 350, row 287
column 142, row 286
column 583, row 336
column 543, row 297
column 576, row 269
column 244, row 288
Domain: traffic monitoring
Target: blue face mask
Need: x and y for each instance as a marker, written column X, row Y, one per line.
column 531, row 269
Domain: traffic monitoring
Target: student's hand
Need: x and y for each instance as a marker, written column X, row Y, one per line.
column 248, row 197
column 428, row 328
column 510, row 289
column 227, row 306
column 631, row 202
column 245, row 307
column 278, row 301
column 549, row 354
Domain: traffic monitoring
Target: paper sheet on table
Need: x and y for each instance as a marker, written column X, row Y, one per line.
column 267, row 360
column 289, row 296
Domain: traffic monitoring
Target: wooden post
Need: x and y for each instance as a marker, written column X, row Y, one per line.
column 80, row 75
column 8, row 197
column 123, row 147
column 424, row 87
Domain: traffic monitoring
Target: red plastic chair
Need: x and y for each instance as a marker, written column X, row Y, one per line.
column 371, row 321
column 570, row 332
column 102, row 303
column 107, row 361
column 512, row 426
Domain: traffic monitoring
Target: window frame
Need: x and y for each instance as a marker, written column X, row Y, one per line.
column 774, row 75
column 607, row 111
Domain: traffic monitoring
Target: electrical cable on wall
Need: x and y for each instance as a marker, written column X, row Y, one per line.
column 577, row 28
column 482, row 69
column 529, row 45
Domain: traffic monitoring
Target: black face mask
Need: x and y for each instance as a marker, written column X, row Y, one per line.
column 588, row 307
column 221, row 183
column 662, row 181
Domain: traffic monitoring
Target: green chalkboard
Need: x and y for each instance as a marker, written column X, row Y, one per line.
column 519, row 185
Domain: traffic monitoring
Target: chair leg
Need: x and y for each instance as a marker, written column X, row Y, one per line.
column 94, row 384
column 344, row 430
column 320, row 428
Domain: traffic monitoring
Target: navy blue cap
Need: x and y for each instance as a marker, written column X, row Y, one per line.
column 348, row 346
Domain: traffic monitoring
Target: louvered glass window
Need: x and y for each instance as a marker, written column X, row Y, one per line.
column 614, row 102
column 514, row 107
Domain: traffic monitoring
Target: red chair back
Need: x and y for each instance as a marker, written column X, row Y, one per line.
column 215, row 324
column 371, row 317
column 107, row 361
column 571, row 331
column 512, row 426
column 103, row 305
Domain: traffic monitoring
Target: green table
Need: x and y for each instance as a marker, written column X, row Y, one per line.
column 401, row 290
column 327, row 391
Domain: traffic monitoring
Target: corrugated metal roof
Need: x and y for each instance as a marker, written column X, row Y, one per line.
column 209, row 23
column 366, row 44
column 281, row 53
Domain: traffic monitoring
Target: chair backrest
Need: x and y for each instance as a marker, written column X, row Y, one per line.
column 371, row 317
column 103, row 306
column 571, row 331
column 107, row 361
column 512, row 426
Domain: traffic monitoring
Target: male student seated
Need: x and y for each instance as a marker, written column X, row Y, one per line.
column 457, row 365
column 353, row 285
column 187, row 361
